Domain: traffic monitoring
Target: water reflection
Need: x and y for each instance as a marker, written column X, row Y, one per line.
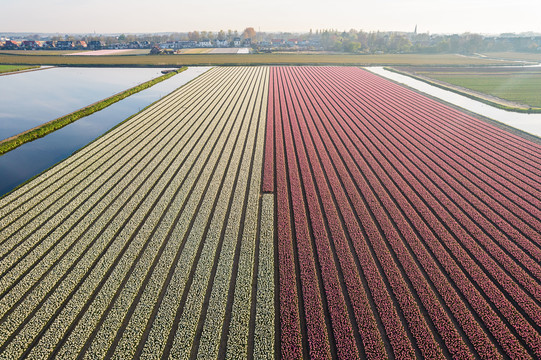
column 32, row 158
column 32, row 98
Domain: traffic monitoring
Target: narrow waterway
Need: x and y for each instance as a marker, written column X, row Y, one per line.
column 530, row 123
column 32, row 158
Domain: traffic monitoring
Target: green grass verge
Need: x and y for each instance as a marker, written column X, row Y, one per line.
column 13, row 68
column 513, row 87
column 515, row 56
column 47, row 128
column 251, row 59
column 521, row 88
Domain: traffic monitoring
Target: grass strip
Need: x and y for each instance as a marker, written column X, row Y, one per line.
column 53, row 125
column 15, row 68
column 530, row 110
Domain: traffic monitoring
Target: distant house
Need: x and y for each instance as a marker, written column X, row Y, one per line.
column 222, row 43
column 292, row 42
column 205, row 43
column 277, row 41
column 182, row 44
column 65, row 44
column 81, row 44
column 167, row 45
column 118, row 46
column 247, row 42
column 185, row 44
column 96, row 45
column 49, row 44
column 11, row 45
column 31, row 45
column 139, row 45
column 236, row 42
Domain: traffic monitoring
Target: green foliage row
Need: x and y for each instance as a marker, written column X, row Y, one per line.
column 49, row 127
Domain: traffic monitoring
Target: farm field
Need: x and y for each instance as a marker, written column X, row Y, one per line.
column 196, row 51
column 406, row 229
column 38, row 52
column 227, row 51
column 251, row 59
column 111, row 52
column 520, row 85
column 280, row 212
column 517, row 56
column 152, row 240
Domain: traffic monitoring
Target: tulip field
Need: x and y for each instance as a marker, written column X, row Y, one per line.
column 280, row 212
column 405, row 228
column 153, row 241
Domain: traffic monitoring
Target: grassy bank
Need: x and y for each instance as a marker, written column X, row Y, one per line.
column 13, row 68
column 250, row 59
column 486, row 87
column 515, row 56
column 47, row 128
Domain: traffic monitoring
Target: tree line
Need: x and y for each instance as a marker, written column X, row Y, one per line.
column 352, row 41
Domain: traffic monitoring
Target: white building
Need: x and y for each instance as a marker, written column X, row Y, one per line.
column 205, row 43
column 222, row 43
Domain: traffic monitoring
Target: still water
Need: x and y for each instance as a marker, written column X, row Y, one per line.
column 530, row 123
column 32, row 98
column 32, row 158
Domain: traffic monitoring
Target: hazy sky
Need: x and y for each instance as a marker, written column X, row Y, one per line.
column 135, row 16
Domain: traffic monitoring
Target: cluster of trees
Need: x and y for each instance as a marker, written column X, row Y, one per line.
column 359, row 41
column 398, row 42
column 228, row 35
column 248, row 33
